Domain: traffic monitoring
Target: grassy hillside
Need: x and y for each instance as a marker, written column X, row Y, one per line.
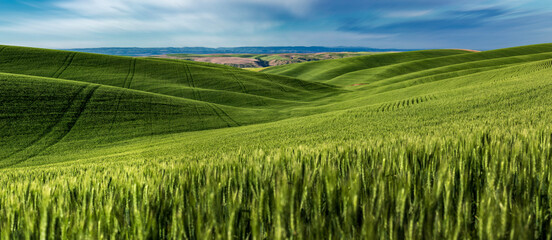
column 325, row 70
column 429, row 144
column 368, row 69
column 198, row 81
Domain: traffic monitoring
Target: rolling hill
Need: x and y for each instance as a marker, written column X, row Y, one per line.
column 415, row 145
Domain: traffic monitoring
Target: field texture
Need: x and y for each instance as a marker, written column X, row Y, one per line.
column 262, row 60
column 436, row 144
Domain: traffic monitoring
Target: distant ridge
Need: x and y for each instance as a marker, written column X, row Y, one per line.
column 132, row 51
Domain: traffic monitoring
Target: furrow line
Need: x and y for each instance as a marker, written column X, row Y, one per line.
column 269, row 78
column 191, row 81
column 242, row 86
column 132, row 72
column 89, row 93
column 404, row 103
column 69, row 62
column 238, row 81
column 72, row 120
column 129, row 76
column 65, row 61
column 66, row 123
column 190, row 77
column 218, row 114
column 186, row 73
column 50, row 127
column 226, row 114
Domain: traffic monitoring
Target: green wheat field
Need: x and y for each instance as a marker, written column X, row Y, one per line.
column 433, row 144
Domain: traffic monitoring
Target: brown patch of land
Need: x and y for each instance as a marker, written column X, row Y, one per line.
column 262, row 60
column 230, row 61
column 469, row 50
column 226, row 60
column 359, row 84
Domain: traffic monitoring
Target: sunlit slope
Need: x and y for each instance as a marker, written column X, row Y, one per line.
column 328, row 69
column 186, row 79
column 420, row 70
column 506, row 100
column 38, row 113
column 391, row 94
column 51, row 99
column 43, row 117
column 445, row 147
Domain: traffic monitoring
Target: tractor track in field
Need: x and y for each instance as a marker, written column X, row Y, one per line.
column 233, row 75
column 129, row 77
column 189, row 76
column 195, row 92
column 49, row 128
column 66, row 63
column 226, row 114
column 50, row 137
column 172, row 102
column 269, row 78
column 89, row 93
column 2, row 49
column 242, row 86
column 191, row 82
column 405, row 103
column 220, row 113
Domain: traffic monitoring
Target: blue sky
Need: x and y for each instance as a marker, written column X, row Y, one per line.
column 474, row 24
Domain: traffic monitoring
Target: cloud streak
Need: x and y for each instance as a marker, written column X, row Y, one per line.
column 213, row 23
column 448, row 21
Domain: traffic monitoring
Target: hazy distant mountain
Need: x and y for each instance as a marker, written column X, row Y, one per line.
column 202, row 50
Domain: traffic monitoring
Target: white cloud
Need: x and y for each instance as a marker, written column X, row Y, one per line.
column 118, row 7
column 408, row 14
column 212, row 23
column 164, row 17
column 197, row 24
column 130, row 7
column 291, row 38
